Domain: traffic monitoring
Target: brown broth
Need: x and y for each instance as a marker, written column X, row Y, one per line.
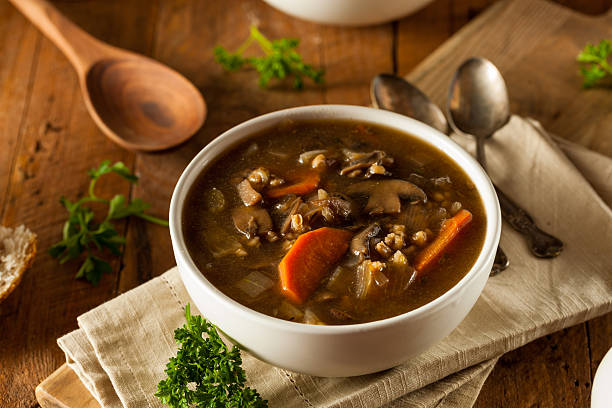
column 278, row 149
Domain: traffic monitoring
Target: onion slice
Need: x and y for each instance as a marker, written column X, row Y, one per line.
column 254, row 284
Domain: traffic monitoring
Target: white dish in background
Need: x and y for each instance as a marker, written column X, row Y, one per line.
column 601, row 395
column 348, row 12
column 344, row 350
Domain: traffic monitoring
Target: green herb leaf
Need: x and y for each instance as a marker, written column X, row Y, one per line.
column 119, row 209
column 81, row 233
column 229, row 61
column 93, row 268
column 204, row 372
column 119, row 168
column 281, row 60
column 595, row 67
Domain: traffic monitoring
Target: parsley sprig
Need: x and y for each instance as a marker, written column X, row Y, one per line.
column 204, row 373
column 595, row 67
column 281, row 60
column 81, row 233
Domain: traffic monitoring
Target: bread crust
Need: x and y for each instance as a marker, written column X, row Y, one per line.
column 31, row 253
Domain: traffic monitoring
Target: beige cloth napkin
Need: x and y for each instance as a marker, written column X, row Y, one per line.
column 122, row 346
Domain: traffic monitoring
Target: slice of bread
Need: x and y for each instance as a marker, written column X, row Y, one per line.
column 17, row 250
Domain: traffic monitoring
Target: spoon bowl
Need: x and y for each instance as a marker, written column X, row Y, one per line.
column 141, row 104
column 478, row 102
column 136, row 101
column 394, row 93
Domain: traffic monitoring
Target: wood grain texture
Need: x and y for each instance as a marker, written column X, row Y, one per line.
column 53, row 149
column 536, row 55
column 19, row 43
column 599, row 334
column 63, row 389
column 555, row 363
column 52, row 142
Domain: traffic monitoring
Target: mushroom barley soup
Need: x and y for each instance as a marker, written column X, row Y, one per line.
column 333, row 222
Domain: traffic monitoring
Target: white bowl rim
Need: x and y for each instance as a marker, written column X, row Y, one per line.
column 418, row 129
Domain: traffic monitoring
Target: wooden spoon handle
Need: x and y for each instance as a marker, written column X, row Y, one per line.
column 79, row 47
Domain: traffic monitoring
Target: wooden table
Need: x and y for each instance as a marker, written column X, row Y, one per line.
column 48, row 142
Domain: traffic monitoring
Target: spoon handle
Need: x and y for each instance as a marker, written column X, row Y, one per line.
column 480, row 152
column 500, row 262
column 78, row 46
column 541, row 244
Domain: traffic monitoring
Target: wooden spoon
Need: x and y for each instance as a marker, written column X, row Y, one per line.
column 137, row 102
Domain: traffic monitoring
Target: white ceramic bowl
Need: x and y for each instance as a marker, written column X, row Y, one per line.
column 346, row 350
column 348, row 12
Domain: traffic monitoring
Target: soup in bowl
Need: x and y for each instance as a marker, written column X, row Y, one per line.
column 334, row 240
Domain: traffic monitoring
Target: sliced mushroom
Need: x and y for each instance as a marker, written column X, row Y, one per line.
column 307, row 157
column 247, row 193
column 360, row 244
column 384, row 195
column 252, row 221
column 359, row 161
column 334, row 209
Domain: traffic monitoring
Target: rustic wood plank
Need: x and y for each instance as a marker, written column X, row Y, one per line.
column 538, row 62
column 549, row 372
column 352, row 58
column 599, row 332
column 44, row 170
column 489, row 36
column 420, row 34
column 63, row 389
column 19, row 44
column 463, row 11
column 550, row 86
column 58, row 144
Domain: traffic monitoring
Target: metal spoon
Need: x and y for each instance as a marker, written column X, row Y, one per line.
column 137, row 102
column 394, row 93
column 478, row 104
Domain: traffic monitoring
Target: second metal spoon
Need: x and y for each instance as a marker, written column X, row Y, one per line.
column 478, row 105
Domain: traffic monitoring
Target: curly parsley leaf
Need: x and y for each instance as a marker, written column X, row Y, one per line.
column 280, row 60
column 82, row 234
column 595, row 67
column 204, row 372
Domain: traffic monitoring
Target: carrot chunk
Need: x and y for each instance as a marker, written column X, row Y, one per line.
column 304, row 186
column 448, row 233
column 311, row 257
